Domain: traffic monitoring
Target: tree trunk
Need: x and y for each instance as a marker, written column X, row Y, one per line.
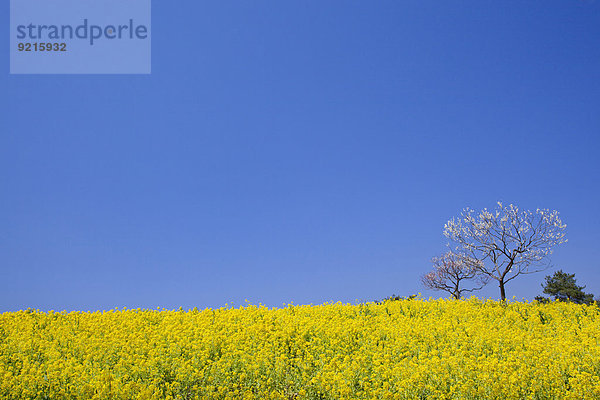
column 502, row 292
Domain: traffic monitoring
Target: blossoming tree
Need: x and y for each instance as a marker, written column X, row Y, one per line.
column 507, row 241
column 450, row 271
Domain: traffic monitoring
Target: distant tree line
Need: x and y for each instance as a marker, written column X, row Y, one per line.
column 500, row 245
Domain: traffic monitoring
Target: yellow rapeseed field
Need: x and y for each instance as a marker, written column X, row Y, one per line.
column 408, row 349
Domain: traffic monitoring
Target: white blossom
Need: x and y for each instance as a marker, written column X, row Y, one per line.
column 508, row 242
column 451, row 270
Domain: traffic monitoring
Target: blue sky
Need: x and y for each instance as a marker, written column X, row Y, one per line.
column 298, row 151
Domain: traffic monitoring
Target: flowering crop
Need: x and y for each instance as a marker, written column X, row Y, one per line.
column 411, row 349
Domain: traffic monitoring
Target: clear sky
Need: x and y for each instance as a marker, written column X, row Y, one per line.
column 298, row 151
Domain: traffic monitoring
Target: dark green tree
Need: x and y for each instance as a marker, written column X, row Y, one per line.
column 563, row 287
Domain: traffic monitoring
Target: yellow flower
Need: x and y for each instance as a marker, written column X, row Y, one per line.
column 434, row 349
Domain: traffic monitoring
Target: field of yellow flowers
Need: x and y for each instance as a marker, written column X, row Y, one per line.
column 407, row 349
